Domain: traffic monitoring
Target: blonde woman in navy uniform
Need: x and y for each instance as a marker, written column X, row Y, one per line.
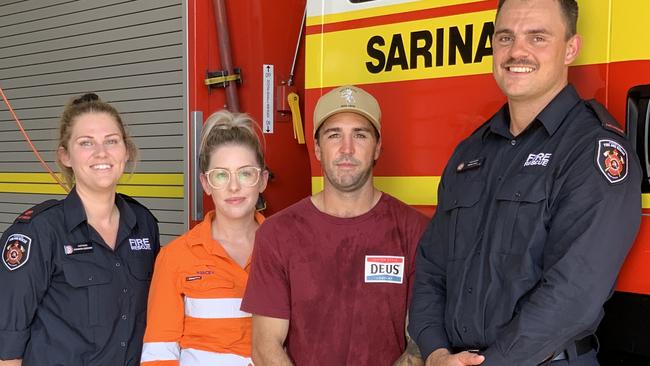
column 75, row 273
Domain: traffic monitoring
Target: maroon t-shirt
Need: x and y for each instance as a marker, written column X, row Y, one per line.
column 343, row 283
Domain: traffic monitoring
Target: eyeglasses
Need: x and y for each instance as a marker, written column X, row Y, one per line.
column 218, row 178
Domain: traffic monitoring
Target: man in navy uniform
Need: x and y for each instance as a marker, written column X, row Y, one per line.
column 537, row 211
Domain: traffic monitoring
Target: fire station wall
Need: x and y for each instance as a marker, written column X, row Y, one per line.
column 132, row 54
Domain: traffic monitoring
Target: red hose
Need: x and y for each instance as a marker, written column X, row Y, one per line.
column 29, row 141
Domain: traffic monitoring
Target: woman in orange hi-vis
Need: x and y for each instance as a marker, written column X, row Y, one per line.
column 193, row 314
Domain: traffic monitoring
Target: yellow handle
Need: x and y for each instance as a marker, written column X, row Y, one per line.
column 298, row 133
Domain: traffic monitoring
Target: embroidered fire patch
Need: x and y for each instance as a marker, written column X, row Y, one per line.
column 16, row 251
column 611, row 159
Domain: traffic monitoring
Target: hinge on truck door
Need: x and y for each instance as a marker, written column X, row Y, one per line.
column 221, row 79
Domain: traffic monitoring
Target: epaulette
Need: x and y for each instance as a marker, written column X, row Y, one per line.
column 27, row 215
column 133, row 200
column 482, row 126
column 606, row 119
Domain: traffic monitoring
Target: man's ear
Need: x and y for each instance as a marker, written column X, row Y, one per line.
column 378, row 148
column 317, row 151
column 573, row 46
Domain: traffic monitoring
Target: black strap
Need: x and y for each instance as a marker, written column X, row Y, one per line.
column 606, row 119
column 578, row 348
column 27, row 215
column 586, row 344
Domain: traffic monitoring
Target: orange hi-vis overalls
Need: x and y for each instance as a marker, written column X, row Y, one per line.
column 193, row 312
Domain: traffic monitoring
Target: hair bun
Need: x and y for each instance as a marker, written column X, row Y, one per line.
column 86, row 98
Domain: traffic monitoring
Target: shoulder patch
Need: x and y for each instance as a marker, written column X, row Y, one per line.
column 15, row 252
column 612, row 160
column 27, row 215
column 133, row 200
column 606, row 119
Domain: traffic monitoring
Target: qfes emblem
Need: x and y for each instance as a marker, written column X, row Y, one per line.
column 612, row 160
column 16, row 251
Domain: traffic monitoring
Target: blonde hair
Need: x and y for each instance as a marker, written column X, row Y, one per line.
column 88, row 103
column 227, row 128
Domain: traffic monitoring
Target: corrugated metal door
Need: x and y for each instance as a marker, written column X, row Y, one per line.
column 131, row 53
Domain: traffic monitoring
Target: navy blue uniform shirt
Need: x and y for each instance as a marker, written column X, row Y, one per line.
column 529, row 236
column 69, row 299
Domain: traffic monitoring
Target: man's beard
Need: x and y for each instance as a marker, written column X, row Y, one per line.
column 347, row 182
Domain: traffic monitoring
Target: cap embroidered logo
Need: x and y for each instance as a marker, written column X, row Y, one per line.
column 347, row 95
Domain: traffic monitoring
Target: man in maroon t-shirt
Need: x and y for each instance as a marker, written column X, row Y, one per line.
column 332, row 274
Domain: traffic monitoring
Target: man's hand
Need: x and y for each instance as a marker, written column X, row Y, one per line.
column 411, row 356
column 442, row 357
column 268, row 341
column 11, row 363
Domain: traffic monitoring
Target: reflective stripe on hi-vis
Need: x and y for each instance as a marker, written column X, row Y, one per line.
column 214, row 308
column 195, row 357
column 160, row 351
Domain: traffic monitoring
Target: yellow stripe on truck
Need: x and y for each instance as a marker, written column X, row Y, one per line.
column 645, row 200
column 420, row 49
column 388, row 53
column 160, row 185
column 630, row 35
column 420, row 191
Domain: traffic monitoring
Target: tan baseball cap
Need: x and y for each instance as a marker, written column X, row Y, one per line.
column 347, row 98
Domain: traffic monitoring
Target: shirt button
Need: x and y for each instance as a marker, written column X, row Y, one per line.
column 499, row 178
column 125, row 290
column 464, row 329
column 469, row 290
column 117, row 264
column 513, row 142
column 90, row 278
column 123, row 344
column 455, row 202
column 517, row 194
column 123, row 316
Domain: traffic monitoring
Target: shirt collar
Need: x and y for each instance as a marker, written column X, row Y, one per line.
column 202, row 234
column 555, row 112
column 500, row 123
column 126, row 213
column 73, row 210
column 551, row 117
column 75, row 214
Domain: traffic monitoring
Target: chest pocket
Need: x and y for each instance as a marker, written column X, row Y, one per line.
column 81, row 275
column 461, row 207
column 90, row 281
column 521, row 213
column 141, row 268
column 209, row 287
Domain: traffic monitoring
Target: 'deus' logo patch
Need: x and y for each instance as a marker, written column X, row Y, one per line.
column 384, row 269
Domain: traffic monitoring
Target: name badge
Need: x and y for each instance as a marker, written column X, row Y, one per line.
column 468, row 165
column 79, row 248
column 384, row 269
